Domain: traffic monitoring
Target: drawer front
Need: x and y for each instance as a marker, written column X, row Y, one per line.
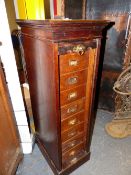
column 72, row 108
column 68, row 161
column 72, row 94
column 68, row 47
column 72, row 152
column 76, row 130
column 73, row 62
column 73, row 155
column 73, row 79
column 72, row 121
column 73, row 142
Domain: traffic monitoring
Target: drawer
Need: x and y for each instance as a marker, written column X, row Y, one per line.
column 68, row 47
column 69, row 144
column 72, row 108
column 72, row 121
column 73, row 159
column 73, row 62
column 76, row 130
column 73, row 153
column 73, row 79
column 71, row 95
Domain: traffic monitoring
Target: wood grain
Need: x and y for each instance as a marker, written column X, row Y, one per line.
column 71, row 95
column 72, row 108
column 71, row 80
column 72, row 121
column 73, row 62
column 10, row 150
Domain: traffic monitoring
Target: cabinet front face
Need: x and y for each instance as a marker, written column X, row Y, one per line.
column 62, row 86
column 76, row 73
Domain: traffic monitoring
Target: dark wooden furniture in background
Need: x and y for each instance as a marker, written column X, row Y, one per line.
column 62, row 58
column 117, row 11
column 10, row 151
column 77, row 7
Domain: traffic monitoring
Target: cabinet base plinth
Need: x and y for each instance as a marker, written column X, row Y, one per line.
column 68, row 169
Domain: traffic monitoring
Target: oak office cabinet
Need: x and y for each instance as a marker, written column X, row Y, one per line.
column 62, row 58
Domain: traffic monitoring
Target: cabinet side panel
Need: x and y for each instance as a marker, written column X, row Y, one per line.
column 40, row 65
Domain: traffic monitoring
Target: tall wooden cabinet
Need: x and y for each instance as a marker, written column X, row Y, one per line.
column 62, row 58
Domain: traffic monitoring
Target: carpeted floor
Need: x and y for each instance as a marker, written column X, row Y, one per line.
column 108, row 156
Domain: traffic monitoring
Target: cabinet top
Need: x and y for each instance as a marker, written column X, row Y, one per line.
column 60, row 22
column 63, row 29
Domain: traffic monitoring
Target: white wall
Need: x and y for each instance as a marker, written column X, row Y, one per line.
column 8, row 60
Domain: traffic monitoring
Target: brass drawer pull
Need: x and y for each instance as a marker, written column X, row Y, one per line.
column 69, row 145
column 72, row 95
column 72, row 144
column 72, row 134
column 72, row 153
column 80, row 48
column 72, row 122
column 72, row 109
column 73, row 62
column 73, row 160
column 72, row 80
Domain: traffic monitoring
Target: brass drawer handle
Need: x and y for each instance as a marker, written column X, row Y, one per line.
column 72, row 134
column 72, row 144
column 72, row 122
column 72, row 109
column 72, row 153
column 72, row 95
column 73, row 62
column 80, row 48
column 74, row 160
column 69, row 145
column 72, row 80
